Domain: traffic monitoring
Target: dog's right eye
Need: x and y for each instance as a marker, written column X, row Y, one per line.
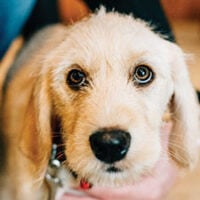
column 143, row 75
column 76, row 79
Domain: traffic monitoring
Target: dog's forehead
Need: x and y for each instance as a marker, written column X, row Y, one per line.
column 118, row 40
column 113, row 35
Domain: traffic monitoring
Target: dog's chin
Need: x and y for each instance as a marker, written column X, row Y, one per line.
column 110, row 170
column 109, row 176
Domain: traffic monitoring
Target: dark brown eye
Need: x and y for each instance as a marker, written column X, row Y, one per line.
column 76, row 78
column 143, row 75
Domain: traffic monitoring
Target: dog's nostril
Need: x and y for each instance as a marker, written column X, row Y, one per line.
column 110, row 146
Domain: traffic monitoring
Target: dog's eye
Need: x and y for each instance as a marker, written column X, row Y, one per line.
column 142, row 75
column 76, row 78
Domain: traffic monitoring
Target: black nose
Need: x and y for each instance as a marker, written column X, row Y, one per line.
column 110, row 145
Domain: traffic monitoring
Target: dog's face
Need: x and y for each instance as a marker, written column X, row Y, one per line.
column 111, row 81
column 108, row 82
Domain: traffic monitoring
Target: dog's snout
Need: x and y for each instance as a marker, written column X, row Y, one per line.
column 110, row 146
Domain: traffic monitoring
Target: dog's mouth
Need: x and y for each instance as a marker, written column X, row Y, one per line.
column 86, row 184
column 109, row 169
column 113, row 169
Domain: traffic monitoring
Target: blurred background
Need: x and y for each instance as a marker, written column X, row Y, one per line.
column 184, row 17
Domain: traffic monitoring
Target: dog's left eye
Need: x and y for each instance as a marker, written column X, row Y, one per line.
column 76, row 78
column 143, row 75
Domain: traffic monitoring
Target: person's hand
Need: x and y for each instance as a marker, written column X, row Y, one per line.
column 149, row 188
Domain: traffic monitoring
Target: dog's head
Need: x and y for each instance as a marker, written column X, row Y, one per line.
column 109, row 82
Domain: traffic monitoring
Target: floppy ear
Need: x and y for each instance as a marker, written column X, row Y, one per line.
column 185, row 109
column 35, row 141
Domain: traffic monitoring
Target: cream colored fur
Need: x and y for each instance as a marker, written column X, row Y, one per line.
column 107, row 47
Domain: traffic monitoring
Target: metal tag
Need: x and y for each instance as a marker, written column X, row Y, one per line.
column 52, row 173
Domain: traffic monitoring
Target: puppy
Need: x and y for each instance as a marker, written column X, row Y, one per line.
column 105, row 83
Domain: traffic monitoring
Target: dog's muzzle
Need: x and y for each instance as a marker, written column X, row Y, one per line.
column 110, row 146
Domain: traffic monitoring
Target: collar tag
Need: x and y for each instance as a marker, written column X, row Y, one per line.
column 52, row 177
